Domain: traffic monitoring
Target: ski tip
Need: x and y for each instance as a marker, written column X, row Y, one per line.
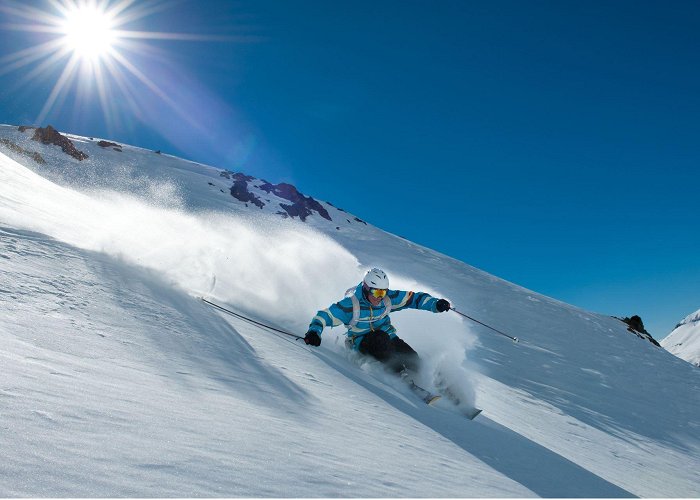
column 472, row 414
column 432, row 399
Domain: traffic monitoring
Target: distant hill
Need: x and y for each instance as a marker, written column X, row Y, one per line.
column 684, row 340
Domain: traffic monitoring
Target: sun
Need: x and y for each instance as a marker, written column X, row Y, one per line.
column 93, row 54
column 88, row 31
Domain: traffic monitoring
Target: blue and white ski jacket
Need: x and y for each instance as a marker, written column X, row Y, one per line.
column 368, row 317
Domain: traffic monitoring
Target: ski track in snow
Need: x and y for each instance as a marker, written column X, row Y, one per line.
column 117, row 381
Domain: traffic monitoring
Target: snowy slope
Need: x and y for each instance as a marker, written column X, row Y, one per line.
column 684, row 340
column 118, row 381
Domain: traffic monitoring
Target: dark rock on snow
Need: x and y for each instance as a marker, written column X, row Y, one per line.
column 636, row 326
column 107, row 144
column 239, row 190
column 26, row 152
column 301, row 206
column 50, row 135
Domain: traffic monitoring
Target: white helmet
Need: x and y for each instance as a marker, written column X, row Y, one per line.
column 376, row 278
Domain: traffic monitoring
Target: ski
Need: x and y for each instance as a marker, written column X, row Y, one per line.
column 443, row 389
column 426, row 396
column 472, row 414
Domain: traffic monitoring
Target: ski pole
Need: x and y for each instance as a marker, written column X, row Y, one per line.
column 297, row 337
column 514, row 339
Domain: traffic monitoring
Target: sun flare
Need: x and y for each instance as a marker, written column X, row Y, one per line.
column 88, row 32
column 93, row 55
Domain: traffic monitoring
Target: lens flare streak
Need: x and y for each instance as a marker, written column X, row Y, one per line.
column 89, row 47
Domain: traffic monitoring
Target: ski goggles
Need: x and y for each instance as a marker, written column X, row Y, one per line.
column 378, row 293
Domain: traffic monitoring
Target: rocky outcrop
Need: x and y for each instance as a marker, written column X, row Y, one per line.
column 107, row 144
column 636, row 326
column 50, row 135
column 239, row 189
column 301, row 206
column 13, row 146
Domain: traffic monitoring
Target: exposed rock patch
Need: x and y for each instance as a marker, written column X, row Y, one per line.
column 636, row 326
column 50, row 135
column 239, row 189
column 13, row 146
column 107, row 144
column 302, row 206
column 249, row 189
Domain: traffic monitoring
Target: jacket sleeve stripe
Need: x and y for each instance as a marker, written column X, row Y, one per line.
column 407, row 298
column 323, row 319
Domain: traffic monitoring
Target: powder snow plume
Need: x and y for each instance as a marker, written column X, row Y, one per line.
column 276, row 270
column 443, row 341
column 270, row 267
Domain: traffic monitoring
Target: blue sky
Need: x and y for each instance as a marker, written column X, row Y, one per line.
column 554, row 144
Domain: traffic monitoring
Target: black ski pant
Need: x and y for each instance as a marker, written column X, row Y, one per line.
column 396, row 354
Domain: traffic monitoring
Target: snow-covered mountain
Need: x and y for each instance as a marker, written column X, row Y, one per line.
column 118, row 381
column 684, row 340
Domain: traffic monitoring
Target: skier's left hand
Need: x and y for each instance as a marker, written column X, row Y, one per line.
column 442, row 305
column 312, row 338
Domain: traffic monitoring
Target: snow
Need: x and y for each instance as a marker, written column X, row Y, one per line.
column 684, row 340
column 118, row 381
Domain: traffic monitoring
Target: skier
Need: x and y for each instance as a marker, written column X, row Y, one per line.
column 365, row 312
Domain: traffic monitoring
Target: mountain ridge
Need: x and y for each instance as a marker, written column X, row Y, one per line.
column 684, row 339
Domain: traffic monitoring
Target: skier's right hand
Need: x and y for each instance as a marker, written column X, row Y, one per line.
column 442, row 305
column 312, row 338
